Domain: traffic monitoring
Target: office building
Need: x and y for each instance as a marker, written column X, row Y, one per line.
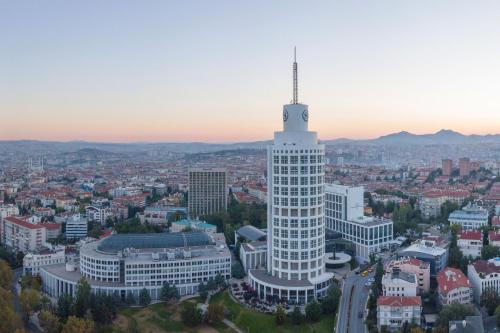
column 295, row 228
column 464, row 166
column 344, row 214
column 208, row 191
column 453, row 286
column 469, row 217
column 123, row 264
column 431, row 250
column 76, row 227
column 447, row 167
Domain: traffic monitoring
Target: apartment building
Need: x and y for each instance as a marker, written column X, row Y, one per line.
column 393, row 311
column 208, row 192
column 420, row 268
column 484, row 274
column 470, row 217
column 22, row 236
column 453, row 286
column 470, row 242
column 399, row 283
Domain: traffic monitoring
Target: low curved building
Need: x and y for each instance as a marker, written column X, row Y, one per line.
column 126, row 263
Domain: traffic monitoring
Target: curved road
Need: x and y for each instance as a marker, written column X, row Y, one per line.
column 350, row 307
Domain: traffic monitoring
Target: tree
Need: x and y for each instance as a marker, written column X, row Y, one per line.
column 82, row 299
column 220, row 281
column 280, row 315
column 144, row 297
column 64, row 306
column 9, row 319
column 203, row 291
column 489, row 252
column 169, row 292
column 215, row 312
column 191, row 316
column 130, row 299
column 49, row 322
column 330, row 302
column 455, row 311
column 490, row 300
column 29, row 300
column 297, row 316
column 497, row 314
column 78, row 325
column 313, row 311
column 237, row 270
column 5, row 275
column 455, row 258
column 102, row 308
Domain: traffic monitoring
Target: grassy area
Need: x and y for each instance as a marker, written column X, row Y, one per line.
column 161, row 318
column 255, row 322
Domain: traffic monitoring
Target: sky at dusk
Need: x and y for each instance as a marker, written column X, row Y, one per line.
column 220, row 71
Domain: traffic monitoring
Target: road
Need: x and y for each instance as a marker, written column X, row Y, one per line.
column 350, row 307
column 30, row 327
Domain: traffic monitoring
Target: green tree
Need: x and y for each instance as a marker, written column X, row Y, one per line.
column 5, row 275
column 190, row 314
column 10, row 321
column 280, row 315
column 313, row 311
column 497, row 315
column 29, row 300
column 130, row 299
column 455, row 311
column 82, row 299
column 237, row 270
column 144, row 297
column 330, row 302
column 490, row 300
column 78, row 325
column 296, row 316
column 65, row 306
column 169, row 292
column 49, row 322
column 489, row 252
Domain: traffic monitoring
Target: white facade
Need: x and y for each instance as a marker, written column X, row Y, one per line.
column 470, row 243
column 7, row 210
column 399, row 283
column 393, row 311
column 253, row 255
column 470, row 217
column 296, row 225
column 484, row 274
column 33, row 261
column 22, row 236
column 411, row 265
column 98, row 213
column 454, row 287
column 344, row 214
column 76, row 227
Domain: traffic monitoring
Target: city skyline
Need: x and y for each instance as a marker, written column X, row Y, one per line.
column 177, row 73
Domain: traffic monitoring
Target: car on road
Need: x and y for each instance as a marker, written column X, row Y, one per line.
column 371, row 280
column 365, row 273
column 360, row 314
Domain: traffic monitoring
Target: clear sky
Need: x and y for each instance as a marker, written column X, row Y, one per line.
column 220, row 71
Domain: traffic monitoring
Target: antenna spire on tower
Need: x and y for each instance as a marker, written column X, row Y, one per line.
column 295, row 83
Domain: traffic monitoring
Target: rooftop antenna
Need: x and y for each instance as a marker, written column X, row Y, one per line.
column 295, row 85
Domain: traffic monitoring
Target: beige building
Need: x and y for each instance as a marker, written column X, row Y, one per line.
column 416, row 266
column 22, row 236
column 208, row 192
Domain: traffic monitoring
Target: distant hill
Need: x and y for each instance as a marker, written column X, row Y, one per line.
column 92, row 148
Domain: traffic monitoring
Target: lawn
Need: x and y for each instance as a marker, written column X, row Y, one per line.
column 161, row 318
column 251, row 321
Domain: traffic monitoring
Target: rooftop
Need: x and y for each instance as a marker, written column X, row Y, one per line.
column 252, row 233
column 398, row 301
column 450, row 279
column 470, row 235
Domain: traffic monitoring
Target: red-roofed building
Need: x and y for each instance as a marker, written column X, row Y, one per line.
column 453, row 286
column 53, row 230
column 495, row 222
column 494, row 238
column 470, row 242
column 484, row 274
column 393, row 311
column 22, row 236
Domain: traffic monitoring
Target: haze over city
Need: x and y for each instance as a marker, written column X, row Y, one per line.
column 123, row 71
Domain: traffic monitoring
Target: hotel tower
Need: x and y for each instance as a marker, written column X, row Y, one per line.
column 295, row 211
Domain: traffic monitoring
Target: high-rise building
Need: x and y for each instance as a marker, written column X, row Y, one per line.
column 464, row 166
column 207, row 192
column 295, row 228
column 447, row 167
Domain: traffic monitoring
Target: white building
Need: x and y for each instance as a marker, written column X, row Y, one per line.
column 98, row 213
column 453, row 286
column 253, row 255
column 431, row 251
column 393, row 311
column 7, row 210
column 196, row 225
column 344, row 214
column 296, row 226
column 22, row 236
column 484, row 274
column 123, row 264
column 76, row 227
column 470, row 217
column 399, row 283
column 470, row 242
column 34, row 260
column 416, row 266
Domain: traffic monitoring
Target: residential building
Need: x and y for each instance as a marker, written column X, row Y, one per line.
column 470, row 242
column 430, row 202
column 123, row 264
column 21, row 236
column 53, row 230
column 447, row 167
column 7, row 210
column 484, row 274
column 399, row 283
column 208, row 191
column 464, row 166
column 420, row 268
column 32, row 261
column 344, row 214
column 494, row 238
column 98, row 213
column 393, row 311
column 453, row 286
column 76, row 227
column 296, row 225
column 432, row 251
column 470, row 217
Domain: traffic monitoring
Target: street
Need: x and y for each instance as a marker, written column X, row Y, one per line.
column 350, row 307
